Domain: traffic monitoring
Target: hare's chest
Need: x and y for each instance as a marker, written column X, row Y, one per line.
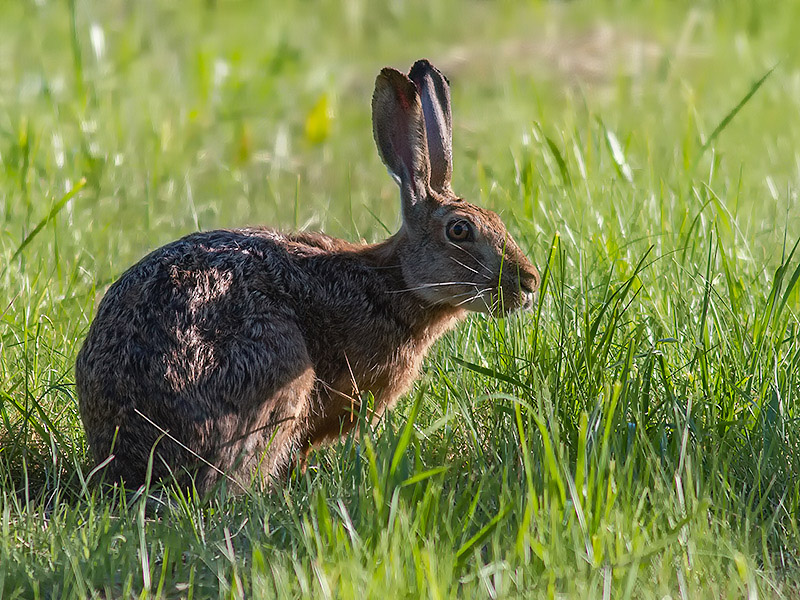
column 338, row 397
column 388, row 374
column 385, row 376
column 389, row 381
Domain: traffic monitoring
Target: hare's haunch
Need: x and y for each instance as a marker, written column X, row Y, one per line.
column 232, row 352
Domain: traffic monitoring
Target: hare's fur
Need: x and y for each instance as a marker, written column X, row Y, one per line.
column 230, row 353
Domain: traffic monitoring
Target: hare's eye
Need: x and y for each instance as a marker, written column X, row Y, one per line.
column 459, row 230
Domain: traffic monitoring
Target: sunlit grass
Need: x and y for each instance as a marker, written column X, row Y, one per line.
column 634, row 436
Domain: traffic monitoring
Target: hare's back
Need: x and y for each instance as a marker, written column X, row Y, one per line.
column 201, row 317
column 203, row 280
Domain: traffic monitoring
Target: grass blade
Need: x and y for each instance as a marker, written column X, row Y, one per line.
column 792, row 280
column 491, row 373
column 617, row 154
column 731, row 114
column 482, row 534
column 50, row 216
column 408, row 430
column 423, row 475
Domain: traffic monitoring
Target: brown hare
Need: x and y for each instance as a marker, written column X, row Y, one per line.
column 231, row 353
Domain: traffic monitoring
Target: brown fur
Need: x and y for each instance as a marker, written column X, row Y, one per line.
column 245, row 348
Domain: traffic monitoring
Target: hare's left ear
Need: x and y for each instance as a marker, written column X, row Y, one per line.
column 434, row 92
column 398, row 126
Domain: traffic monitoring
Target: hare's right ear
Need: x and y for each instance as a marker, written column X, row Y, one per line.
column 398, row 125
column 434, row 91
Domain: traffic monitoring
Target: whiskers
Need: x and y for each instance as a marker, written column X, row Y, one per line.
column 472, row 296
column 468, row 268
column 426, row 286
column 475, row 258
column 484, row 284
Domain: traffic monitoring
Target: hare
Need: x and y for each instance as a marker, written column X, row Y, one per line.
column 230, row 353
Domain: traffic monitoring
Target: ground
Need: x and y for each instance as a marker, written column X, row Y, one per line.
column 634, row 436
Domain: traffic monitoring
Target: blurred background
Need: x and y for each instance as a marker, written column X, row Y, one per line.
column 209, row 113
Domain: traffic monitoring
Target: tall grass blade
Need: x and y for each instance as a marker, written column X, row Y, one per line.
column 729, row 117
column 408, row 431
column 484, row 532
column 50, row 216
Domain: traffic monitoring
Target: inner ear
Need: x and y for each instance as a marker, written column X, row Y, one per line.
column 398, row 125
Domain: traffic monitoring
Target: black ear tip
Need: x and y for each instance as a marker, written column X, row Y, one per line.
column 397, row 81
column 423, row 64
column 391, row 75
column 422, row 68
column 389, row 72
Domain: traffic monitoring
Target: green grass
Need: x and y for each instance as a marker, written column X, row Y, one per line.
column 635, row 436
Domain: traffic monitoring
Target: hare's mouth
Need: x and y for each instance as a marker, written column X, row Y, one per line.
column 496, row 302
column 528, row 299
column 476, row 299
column 527, row 295
column 521, row 299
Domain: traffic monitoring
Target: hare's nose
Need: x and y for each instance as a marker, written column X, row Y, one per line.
column 529, row 280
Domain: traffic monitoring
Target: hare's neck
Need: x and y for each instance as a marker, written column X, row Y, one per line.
column 426, row 322
column 387, row 364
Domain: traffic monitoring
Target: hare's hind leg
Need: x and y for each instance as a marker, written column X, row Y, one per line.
column 265, row 386
column 286, row 442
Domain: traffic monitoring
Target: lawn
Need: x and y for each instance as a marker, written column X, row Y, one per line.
column 634, row 436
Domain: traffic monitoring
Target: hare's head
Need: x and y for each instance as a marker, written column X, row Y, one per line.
column 453, row 252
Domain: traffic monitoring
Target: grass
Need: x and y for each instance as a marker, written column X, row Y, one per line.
column 635, row 436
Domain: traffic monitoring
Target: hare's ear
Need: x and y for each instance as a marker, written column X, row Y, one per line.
column 398, row 125
column 434, row 91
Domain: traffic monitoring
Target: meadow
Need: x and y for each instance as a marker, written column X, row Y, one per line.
column 635, row 435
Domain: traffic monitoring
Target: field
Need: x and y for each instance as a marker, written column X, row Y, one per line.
column 634, row 436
